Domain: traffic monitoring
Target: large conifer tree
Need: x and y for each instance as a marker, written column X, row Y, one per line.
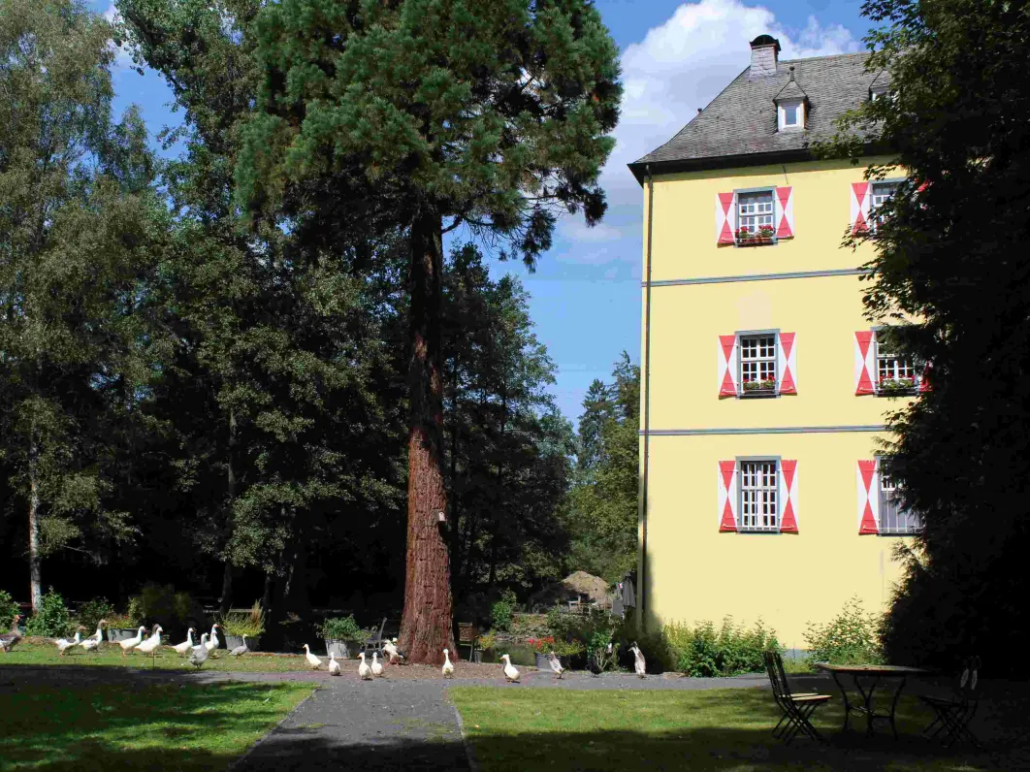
column 430, row 116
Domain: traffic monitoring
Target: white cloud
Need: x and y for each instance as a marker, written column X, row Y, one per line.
column 679, row 66
column 122, row 53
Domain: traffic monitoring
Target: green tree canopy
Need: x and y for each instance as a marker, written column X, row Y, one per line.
column 80, row 230
column 428, row 116
column 951, row 255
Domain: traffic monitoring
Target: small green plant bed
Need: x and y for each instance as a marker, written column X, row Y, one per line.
column 185, row 727
column 515, row 729
column 110, row 655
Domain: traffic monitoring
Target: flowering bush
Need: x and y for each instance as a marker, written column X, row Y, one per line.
column 561, row 648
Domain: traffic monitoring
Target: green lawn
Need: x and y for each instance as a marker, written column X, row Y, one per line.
column 173, row 726
column 516, row 729
column 111, row 656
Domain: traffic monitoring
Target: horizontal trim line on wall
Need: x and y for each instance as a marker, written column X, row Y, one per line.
column 766, row 430
column 759, row 277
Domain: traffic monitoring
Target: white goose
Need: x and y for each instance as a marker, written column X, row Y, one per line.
column 364, row 671
column 334, row 666
column 239, row 651
column 639, row 663
column 392, row 652
column 555, row 664
column 448, row 666
column 200, row 653
column 131, row 643
column 149, row 646
column 93, row 642
column 213, row 642
column 63, row 644
column 511, row 673
column 185, row 646
column 314, row 661
column 377, row 666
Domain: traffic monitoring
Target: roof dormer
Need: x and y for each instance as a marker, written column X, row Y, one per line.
column 791, row 106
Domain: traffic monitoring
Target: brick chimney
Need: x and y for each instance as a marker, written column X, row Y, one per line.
column 764, row 50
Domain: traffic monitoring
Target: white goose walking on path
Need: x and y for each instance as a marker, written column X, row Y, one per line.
column 314, row 661
column 182, row 648
column 63, row 644
column 555, row 664
column 131, row 643
column 448, row 666
column 639, row 663
column 511, row 673
column 239, row 651
column 364, row 671
column 377, row 666
column 200, row 653
column 334, row 666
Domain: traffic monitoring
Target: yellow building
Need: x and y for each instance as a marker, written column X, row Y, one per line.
column 762, row 389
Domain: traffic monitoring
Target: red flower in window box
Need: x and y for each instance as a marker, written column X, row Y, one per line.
column 762, row 235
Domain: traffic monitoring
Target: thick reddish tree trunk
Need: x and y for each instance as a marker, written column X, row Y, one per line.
column 426, row 627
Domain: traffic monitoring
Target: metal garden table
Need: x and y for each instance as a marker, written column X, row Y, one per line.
column 867, row 678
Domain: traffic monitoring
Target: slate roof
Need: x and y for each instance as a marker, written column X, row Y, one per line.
column 741, row 121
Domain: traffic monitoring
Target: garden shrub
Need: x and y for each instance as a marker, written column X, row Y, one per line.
column 503, row 611
column 250, row 623
column 52, row 620
column 8, row 608
column 704, row 651
column 850, row 638
column 92, row 611
column 343, row 629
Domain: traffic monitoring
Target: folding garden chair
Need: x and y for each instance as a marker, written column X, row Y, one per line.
column 797, row 708
column 375, row 643
column 955, row 713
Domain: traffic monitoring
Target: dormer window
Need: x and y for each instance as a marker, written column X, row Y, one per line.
column 791, row 105
column 792, row 114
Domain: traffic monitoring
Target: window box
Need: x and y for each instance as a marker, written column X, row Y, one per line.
column 892, row 387
column 748, row 237
column 754, row 387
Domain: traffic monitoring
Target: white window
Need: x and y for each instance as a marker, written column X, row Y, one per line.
column 895, row 520
column 882, row 193
column 792, row 114
column 759, row 500
column 758, row 363
column 755, row 215
column 894, row 373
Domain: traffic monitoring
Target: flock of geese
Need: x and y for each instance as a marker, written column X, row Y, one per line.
column 200, row 652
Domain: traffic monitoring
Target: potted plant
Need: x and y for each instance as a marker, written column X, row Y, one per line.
column 485, row 642
column 122, row 627
column 341, row 634
column 249, row 623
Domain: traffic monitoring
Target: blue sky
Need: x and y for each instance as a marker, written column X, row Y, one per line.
column 676, row 57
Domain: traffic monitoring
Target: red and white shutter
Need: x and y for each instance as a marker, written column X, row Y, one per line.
column 865, row 362
column 725, row 218
column 861, row 197
column 868, row 497
column 789, row 493
column 728, row 496
column 727, row 365
column 786, row 363
column 924, row 382
column 784, row 213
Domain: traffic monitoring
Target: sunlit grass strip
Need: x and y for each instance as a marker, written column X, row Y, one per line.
column 185, row 727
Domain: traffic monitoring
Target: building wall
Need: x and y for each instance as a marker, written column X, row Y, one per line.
column 693, row 572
